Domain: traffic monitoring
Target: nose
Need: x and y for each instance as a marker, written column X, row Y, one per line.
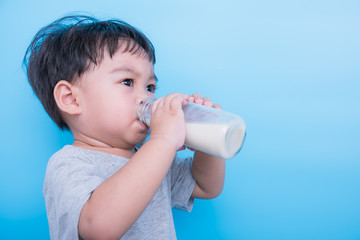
column 142, row 96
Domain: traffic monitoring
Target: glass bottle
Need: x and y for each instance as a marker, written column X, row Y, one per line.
column 208, row 129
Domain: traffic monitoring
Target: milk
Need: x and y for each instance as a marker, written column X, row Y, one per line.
column 218, row 139
column 208, row 129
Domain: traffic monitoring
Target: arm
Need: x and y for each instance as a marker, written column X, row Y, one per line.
column 208, row 170
column 209, row 173
column 116, row 204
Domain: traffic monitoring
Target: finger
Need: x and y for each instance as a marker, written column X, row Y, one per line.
column 199, row 101
column 191, row 99
column 217, row 106
column 207, row 102
column 186, row 99
column 168, row 99
column 198, row 98
column 197, row 95
column 176, row 103
column 172, row 95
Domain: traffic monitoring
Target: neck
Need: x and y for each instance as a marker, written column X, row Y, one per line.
column 127, row 153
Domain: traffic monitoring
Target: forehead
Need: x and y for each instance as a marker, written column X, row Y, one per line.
column 137, row 61
column 127, row 49
column 122, row 61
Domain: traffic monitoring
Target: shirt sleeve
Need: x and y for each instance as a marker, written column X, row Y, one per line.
column 182, row 184
column 68, row 184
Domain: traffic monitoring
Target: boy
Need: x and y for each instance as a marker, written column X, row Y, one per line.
column 90, row 75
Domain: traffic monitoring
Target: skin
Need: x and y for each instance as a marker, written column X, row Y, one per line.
column 100, row 109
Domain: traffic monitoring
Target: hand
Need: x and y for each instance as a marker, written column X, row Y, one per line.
column 197, row 98
column 167, row 119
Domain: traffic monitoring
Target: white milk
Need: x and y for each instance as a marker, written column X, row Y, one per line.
column 223, row 140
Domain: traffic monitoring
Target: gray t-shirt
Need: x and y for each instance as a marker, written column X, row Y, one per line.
column 73, row 174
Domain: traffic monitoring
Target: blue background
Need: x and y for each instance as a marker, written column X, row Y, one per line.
column 291, row 69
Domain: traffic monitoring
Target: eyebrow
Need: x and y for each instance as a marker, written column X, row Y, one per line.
column 130, row 70
column 123, row 69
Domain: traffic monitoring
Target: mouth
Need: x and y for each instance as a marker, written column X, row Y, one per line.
column 143, row 125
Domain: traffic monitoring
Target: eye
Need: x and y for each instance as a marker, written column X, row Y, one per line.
column 128, row 82
column 151, row 88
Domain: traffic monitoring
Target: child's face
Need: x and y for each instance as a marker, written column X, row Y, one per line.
column 109, row 94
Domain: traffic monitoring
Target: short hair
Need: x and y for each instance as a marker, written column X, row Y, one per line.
column 66, row 48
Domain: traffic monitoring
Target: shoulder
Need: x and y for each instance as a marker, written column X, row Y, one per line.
column 68, row 156
column 67, row 152
column 73, row 161
column 63, row 162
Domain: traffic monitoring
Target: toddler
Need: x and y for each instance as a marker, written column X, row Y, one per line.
column 90, row 76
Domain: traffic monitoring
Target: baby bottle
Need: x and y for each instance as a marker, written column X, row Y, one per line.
column 208, row 129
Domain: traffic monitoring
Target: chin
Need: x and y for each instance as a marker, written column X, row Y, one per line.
column 142, row 138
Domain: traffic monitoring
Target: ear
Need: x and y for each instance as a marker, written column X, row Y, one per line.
column 65, row 95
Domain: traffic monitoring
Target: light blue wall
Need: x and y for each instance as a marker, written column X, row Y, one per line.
column 290, row 68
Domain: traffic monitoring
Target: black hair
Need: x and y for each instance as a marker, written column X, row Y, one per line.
column 66, row 48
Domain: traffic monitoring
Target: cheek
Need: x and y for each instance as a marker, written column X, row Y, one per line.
column 97, row 106
column 118, row 112
column 108, row 106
